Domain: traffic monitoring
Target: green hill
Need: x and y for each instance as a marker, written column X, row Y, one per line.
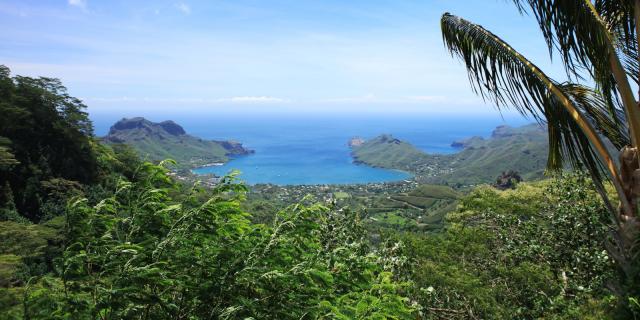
column 522, row 149
column 168, row 140
column 385, row 151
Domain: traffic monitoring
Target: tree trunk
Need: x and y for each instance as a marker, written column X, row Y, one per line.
column 624, row 243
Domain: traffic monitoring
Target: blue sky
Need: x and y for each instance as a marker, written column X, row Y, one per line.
column 256, row 55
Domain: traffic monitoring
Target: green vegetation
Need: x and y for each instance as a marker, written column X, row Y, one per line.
column 45, row 146
column 123, row 239
column 341, row 195
column 533, row 252
column 141, row 254
column 388, row 152
column 521, row 149
column 168, row 140
column 598, row 43
column 435, row 192
column 434, row 200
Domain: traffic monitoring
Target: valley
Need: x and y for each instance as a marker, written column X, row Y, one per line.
column 319, row 160
column 418, row 202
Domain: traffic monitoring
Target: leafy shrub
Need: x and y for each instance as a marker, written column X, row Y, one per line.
column 533, row 252
column 141, row 254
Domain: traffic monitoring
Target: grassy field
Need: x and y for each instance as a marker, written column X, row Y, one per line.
column 435, row 191
column 425, row 207
column 341, row 195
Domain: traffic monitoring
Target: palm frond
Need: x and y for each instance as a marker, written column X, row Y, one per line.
column 594, row 107
column 503, row 76
column 631, row 64
column 571, row 27
column 619, row 18
column 591, row 37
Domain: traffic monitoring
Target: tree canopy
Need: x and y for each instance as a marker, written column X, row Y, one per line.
column 45, row 134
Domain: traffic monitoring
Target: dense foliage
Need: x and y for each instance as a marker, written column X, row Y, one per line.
column 592, row 118
column 533, row 252
column 140, row 254
column 45, row 145
column 88, row 231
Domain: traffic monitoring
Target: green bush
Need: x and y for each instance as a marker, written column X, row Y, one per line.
column 533, row 252
column 141, row 254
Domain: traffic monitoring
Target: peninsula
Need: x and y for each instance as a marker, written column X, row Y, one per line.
column 523, row 149
column 168, row 140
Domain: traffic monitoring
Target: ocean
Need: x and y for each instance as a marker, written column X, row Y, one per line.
column 312, row 148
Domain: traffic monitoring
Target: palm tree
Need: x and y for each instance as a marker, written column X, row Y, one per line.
column 598, row 42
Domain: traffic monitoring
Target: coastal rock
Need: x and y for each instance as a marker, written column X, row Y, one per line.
column 140, row 123
column 129, row 124
column 235, row 148
column 172, row 128
column 502, row 132
column 169, row 140
column 355, row 142
column 466, row 143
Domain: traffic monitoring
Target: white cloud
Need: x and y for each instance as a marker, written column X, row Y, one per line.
column 256, row 99
column 183, row 7
column 418, row 100
column 78, row 3
column 427, row 98
column 246, row 99
column 366, row 98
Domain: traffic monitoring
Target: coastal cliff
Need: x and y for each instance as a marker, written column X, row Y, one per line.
column 168, row 140
column 355, row 142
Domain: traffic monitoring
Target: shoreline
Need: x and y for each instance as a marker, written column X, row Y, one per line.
column 410, row 176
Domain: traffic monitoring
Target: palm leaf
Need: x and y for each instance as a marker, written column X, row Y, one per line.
column 503, row 76
column 590, row 37
column 594, row 107
column 619, row 18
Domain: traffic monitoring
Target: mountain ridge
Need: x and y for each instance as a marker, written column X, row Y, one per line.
column 523, row 149
column 168, row 140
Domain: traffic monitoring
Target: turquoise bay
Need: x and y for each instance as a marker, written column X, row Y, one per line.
column 307, row 164
column 312, row 148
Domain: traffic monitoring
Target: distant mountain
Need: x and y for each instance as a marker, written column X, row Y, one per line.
column 385, row 151
column 523, row 149
column 168, row 140
column 480, row 160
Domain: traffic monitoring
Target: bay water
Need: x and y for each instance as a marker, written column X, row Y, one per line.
column 312, row 148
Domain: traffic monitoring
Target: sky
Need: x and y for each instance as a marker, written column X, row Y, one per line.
column 124, row 56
